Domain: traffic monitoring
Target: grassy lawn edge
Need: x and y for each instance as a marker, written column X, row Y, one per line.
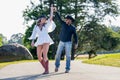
column 105, row 59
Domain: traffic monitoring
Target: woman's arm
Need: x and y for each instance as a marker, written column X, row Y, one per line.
column 50, row 26
column 34, row 34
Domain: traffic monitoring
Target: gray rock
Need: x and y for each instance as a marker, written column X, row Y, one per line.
column 12, row 52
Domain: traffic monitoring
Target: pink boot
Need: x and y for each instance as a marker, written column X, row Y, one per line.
column 46, row 67
column 43, row 63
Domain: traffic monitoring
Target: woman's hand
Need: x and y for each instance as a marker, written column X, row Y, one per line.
column 32, row 43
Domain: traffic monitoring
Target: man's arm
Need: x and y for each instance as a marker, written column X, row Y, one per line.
column 75, row 39
column 57, row 15
column 51, row 12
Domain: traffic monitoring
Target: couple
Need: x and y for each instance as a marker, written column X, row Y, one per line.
column 41, row 30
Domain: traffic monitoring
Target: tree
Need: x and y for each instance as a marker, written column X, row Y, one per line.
column 0, row 41
column 91, row 37
column 96, row 37
column 91, row 31
column 111, row 40
column 3, row 40
column 86, row 12
column 16, row 38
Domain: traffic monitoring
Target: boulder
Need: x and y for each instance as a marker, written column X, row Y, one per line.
column 13, row 52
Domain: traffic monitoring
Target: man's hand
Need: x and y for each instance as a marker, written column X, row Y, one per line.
column 75, row 46
column 54, row 9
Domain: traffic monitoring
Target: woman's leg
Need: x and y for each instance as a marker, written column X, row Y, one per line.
column 45, row 55
column 39, row 52
column 45, row 51
column 39, row 55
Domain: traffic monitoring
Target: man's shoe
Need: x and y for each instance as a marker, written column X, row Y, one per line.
column 67, row 71
column 56, row 69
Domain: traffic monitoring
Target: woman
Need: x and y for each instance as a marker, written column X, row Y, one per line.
column 40, row 31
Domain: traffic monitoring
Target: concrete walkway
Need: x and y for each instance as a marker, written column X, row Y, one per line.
column 79, row 71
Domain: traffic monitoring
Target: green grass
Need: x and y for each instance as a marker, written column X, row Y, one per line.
column 105, row 59
column 3, row 64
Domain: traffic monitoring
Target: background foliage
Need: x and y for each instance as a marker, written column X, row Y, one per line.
column 89, row 16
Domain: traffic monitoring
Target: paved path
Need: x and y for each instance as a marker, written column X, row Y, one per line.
column 79, row 71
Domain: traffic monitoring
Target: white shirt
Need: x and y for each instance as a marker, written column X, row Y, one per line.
column 42, row 35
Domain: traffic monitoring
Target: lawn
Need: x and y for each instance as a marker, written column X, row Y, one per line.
column 105, row 59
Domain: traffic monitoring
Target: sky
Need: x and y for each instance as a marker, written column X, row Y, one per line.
column 11, row 20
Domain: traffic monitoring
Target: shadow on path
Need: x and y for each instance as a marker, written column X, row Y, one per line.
column 34, row 77
column 79, row 71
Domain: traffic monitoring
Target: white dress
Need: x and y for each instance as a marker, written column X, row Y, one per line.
column 42, row 35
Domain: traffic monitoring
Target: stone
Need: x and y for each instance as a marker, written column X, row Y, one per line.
column 13, row 52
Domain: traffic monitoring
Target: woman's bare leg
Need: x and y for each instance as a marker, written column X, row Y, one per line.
column 41, row 59
column 39, row 52
column 45, row 55
column 45, row 51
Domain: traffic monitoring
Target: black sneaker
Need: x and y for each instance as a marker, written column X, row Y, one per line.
column 56, row 69
column 67, row 71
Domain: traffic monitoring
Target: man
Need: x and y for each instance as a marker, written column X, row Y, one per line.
column 66, row 33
